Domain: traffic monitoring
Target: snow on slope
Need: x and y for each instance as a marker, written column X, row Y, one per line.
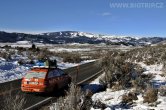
column 73, row 34
column 108, row 37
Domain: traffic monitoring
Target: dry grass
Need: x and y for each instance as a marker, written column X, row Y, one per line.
column 13, row 101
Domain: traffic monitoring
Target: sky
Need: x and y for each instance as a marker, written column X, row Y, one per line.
column 111, row 17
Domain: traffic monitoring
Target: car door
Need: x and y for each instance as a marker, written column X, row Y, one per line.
column 53, row 78
column 63, row 78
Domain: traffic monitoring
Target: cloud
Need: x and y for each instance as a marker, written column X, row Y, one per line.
column 106, row 14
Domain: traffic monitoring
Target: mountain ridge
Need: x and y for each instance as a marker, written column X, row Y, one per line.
column 63, row 37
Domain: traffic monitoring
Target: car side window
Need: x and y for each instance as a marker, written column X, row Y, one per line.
column 53, row 73
column 50, row 74
column 61, row 72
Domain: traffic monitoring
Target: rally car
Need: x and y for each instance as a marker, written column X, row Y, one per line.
column 44, row 79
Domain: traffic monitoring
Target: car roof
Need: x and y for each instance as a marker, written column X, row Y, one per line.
column 40, row 69
column 43, row 69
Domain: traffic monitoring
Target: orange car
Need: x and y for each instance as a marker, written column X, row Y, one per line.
column 44, row 80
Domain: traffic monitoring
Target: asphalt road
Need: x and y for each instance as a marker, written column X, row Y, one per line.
column 77, row 73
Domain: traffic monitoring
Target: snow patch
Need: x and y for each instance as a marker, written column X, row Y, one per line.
column 23, row 42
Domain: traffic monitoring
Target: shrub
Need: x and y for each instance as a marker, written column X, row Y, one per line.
column 99, row 105
column 148, row 55
column 21, row 49
column 141, row 82
column 74, row 100
column 5, row 55
column 150, row 61
column 151, row 95
column 21, row 62
column 118, row 72
column 87, row 101
column 128, row 98
column 95, row 55
column 71, row 102
column 72, row 58
column 116, row 86
column 33, row 47
column 7, row 47
column 31, row 62
column 138, row 84
column 43, row 54
column 162, row 90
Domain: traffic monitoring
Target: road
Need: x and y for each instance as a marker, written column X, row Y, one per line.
column 78, row 74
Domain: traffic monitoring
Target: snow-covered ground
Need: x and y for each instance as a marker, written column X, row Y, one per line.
column 156, row 70
column 11, row 70
column 25, row 44
column 113, row 98
column 69, row 49
column 63, row 65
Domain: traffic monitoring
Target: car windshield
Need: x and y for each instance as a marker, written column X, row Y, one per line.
column 35, row 75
